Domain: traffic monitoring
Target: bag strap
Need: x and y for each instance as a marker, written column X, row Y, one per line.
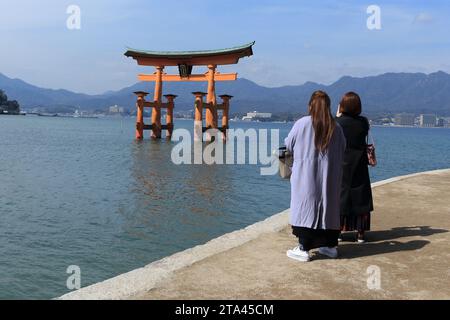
column 369, row 134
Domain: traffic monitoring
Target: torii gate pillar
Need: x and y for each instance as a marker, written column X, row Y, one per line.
column 140, row 114
column 156, row 112
column 211, row 112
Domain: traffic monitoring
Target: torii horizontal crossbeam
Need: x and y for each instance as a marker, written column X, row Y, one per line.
column 192, row 77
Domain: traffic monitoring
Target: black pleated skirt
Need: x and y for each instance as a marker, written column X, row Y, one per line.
column 356, row 223
column 315, row 238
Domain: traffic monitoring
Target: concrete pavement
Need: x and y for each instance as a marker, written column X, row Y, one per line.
column 409, row 246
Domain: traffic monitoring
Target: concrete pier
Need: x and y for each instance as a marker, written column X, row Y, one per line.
column 408, row 245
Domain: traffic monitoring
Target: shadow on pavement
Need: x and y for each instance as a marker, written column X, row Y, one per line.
column 384, row 241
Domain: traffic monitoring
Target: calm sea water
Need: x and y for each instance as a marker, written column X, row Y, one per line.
column 83, row 192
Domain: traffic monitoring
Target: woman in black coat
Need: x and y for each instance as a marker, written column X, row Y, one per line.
column 356, row 192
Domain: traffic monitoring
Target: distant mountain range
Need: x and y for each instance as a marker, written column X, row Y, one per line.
column 386, row 93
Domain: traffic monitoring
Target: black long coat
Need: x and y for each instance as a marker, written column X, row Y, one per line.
column 356, row 192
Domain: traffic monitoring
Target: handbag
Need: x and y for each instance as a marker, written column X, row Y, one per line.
column 286, row 160
column 371, row 156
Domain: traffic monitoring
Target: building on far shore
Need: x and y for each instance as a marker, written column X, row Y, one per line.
column 116, row 109
column 404, row 119
column 427, row 120
column 257, row 115
column 443, row 122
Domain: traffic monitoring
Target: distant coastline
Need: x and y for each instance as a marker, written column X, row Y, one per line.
column 107, row 116
column 401, row 126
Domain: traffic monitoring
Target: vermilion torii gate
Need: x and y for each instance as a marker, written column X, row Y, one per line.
column 185, row 60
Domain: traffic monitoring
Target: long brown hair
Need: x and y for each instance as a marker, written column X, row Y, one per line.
column 322, row 120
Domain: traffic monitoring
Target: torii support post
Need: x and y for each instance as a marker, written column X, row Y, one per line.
column 140, row 114
column 211, row 112
column 169, row 115
column 198, row 117
column 225, row 113
column 156, row 111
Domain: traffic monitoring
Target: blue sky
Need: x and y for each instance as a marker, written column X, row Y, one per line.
column 296, row 40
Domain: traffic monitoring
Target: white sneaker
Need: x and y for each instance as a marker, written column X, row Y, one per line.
column 329, row 252
column 298, row 254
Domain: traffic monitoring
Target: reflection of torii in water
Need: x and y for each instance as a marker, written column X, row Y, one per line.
column 185, row 60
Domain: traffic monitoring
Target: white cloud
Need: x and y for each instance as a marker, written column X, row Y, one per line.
column 423, row 17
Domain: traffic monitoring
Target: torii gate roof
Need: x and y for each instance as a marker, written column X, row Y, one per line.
column 203, row 57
